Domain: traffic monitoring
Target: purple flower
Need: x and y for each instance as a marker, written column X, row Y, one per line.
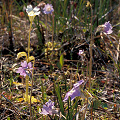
column 76, row 85
column 49, row 108
column 107, row 28
column 74, row 92
column 48, row 9
column 80, row 52
column 24, row 69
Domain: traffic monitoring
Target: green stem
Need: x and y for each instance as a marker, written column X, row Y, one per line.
column 91, row 44
column 46, row 28
column 27, row 79
column 31, row 93
column 29, row 40
column 90, row 68
column 52, row 33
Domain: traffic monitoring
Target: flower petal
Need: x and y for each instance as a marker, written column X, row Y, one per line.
column 37, row 13
column 107, row 28
column 78, row 83
column 80, row 52
column 48, row 9
column 23, row 74
column 19, row 70
column 36, row 9
column 50, row 104
column 29, row 8
column 24, row 64
column 30, row 65
column 48, row 108
column 72, row 93
column 44, row 112
column 76, row 93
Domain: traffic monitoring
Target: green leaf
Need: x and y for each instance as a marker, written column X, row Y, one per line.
column 119, row 33
column 104, row 105
column 96, row 104
column 8, row 118
column 51, row 67
column 45, row 77
column 57, row 89
column 43, row 24
column 61, row 60
column 22, row 54
column 59, row 65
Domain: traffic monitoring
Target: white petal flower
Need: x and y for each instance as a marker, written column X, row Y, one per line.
column 36, row 9
column 80, row 52
column 32, row 12
column 29, row 8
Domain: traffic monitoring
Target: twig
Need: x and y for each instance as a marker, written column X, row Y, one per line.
column 12, row 105
column 90, row 65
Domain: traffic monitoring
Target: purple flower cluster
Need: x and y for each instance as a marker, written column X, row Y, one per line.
column 48, row 9
column 107, row 28
column 49, row 108
column 74, row 92
column 25, row 69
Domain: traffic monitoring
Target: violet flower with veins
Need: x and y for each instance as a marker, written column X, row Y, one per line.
column 76, row 85
column 48, row 9
column 49, row 108
column 26, row 69
column 74, row 92
column 107, row 28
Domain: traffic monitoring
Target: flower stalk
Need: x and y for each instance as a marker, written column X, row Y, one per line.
column 26, row 95
column 90, row 65
column 31, row 91
column 91, row 44
column 29, row 40
column 31, row 13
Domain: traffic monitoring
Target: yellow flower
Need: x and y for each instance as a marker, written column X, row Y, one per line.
column 88, row 4
column 32, row 12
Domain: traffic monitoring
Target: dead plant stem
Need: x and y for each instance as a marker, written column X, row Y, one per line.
column 90, row 65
